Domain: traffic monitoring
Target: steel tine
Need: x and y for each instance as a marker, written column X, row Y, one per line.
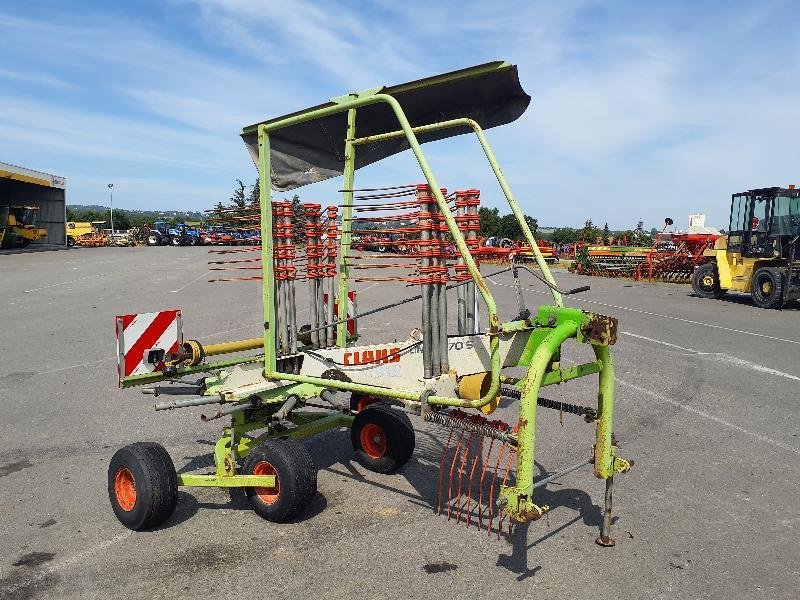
column 461, row 471
column 452, row 466
column 483, row 475
column 491, row 489
column 441, row 469
column 468, row 503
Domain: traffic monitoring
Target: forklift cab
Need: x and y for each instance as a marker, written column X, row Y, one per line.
column 765, row 223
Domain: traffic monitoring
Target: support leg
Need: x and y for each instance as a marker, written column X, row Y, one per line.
column 605, row 538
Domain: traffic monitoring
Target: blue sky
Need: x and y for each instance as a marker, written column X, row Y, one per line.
column 641, row 110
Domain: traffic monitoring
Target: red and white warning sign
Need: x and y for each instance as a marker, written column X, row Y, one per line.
column 351, row 310
column 144, row 338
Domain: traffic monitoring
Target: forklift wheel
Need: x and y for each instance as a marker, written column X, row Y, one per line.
column 705, row 281
column 142, row 485
column 383, row 438
column 295, row 479
column 767, row 287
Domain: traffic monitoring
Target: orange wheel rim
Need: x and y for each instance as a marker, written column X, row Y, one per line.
column 373, row 440
column 268, row 495
column 125, row 489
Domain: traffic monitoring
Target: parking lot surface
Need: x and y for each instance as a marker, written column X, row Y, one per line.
column 707, row 405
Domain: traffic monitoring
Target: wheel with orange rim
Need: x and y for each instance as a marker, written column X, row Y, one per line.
column 295, row 479
column 359, row 402
column 382, row 437
column 142, row 485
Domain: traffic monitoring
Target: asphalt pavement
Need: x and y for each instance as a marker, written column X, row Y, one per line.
column 707, row 405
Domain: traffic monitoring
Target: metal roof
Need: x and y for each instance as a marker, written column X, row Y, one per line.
column 16, row 173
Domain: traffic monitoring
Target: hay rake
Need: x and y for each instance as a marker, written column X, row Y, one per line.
column 450, row 379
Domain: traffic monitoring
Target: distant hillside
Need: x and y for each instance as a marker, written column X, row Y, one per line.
column 139, row 215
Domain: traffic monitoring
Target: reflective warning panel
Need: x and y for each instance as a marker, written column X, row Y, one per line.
column 144, row 338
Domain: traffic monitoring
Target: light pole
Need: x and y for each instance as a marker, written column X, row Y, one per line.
column 111, row 194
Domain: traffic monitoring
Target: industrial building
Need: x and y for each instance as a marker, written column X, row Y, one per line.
column 20, row 186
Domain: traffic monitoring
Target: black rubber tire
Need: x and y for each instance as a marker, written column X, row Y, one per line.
column 396, row 431
column 153, row 239
column 703, row 290
column 175, row 241
column 297, row 479
column 775, row 278
column 155, row 482
column 70, row 241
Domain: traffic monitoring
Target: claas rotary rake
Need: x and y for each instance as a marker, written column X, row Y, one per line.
column 292, row 388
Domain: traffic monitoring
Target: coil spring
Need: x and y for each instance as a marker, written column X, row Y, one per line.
column 458, row 419
column 588, row 413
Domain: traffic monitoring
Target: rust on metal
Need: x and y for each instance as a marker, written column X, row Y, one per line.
column 600, row 329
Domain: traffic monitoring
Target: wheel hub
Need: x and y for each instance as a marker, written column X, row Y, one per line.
column 373, row 440
column 268, row 495
column 125, row 489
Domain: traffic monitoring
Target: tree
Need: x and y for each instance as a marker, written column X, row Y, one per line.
column 509, row 227
column 606, row 234
column 254, row 199
column 238, row 198
column 565, row 235
column 590, row 233
column 489, row 220
column 533, row 224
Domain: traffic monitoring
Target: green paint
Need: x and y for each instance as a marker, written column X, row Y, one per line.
column 267, row 273
column 347, row 227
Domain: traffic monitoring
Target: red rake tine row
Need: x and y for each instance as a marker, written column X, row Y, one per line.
column 461, row 475
column 452, row 466
column 441, row 469
column 468, row 502
column 456, row 454
column 483, row 475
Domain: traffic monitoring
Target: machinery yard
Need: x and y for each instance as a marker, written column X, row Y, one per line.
column 706, row 406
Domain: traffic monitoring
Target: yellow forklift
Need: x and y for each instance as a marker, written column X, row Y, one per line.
column 18, row 226
column 760, row 255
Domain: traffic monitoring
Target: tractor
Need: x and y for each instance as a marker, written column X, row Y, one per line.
column 760, row 255
column 18, row 226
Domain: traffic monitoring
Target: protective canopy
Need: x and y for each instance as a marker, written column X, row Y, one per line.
column 313, row 151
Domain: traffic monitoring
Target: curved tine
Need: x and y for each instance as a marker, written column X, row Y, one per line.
column 481, row 505
column 468, row 502
column 441, row 469
column 467, row 448
column 452, row 466
column 491, row 489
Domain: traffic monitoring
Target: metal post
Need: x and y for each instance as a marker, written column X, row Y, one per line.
column 427, row 336
column 473, row 200
column 441, row 288
column 111, row 195
column 347, row 226
column 267, row 272
column 312, row 270
column 330, row 272
column 461, row 218
column 289, row 272
column 605, row 538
